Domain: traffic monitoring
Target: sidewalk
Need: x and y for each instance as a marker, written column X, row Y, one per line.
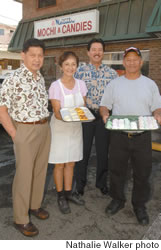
column 84, row 223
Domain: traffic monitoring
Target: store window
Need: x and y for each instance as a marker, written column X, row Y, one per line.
column 103, row 1
column 1, row 32
column 114, row 60
column 46, row 3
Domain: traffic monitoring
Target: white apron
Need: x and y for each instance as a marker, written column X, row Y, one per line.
column 66, row 137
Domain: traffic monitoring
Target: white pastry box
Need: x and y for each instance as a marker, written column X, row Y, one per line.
column 77, row 114
column 131, row 123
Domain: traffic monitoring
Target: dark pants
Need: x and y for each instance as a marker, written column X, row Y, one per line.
column 90, row 130
column 138, row 150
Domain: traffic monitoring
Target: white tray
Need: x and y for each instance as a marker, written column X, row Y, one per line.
column 131, row 118
column 71, row 115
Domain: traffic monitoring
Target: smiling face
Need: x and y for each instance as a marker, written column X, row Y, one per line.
column 132, row 63
column 33, row 58
column 69, row 66
column 96, row 53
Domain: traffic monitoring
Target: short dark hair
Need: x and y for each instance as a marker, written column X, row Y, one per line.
column 66, row 55
column 33, row 42
column 95, row 40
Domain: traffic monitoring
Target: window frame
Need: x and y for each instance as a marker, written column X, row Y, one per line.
column 48, row 6
column 2, row 32
column 120, row 69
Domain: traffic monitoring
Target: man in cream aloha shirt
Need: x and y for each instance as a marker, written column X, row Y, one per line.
column 24, row 115
column 25, row 97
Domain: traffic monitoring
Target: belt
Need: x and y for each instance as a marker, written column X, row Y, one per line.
column 37, row 122
column 130, row 135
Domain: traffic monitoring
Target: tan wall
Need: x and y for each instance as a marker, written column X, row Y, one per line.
column 30, row 9
column 5, row 39
column 153, row 46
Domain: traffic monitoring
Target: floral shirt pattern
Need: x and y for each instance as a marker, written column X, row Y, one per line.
column 24, row 96
column 96, row 81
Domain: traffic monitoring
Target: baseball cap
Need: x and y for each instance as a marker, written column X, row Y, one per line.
column 130, row 49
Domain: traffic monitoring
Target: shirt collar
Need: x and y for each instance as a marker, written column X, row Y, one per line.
column 93, row 67
column 29, row 73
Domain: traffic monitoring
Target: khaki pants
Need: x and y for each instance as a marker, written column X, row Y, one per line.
column 31, row 145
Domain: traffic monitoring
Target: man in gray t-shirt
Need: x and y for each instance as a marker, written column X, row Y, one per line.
column 131, row 94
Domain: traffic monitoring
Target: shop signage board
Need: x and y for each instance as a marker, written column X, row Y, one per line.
column 69, row 25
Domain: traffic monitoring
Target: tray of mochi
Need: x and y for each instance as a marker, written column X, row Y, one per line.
column 132, row 123
column 76, row 114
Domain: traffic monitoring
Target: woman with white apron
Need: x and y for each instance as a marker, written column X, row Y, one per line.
column 67, row 140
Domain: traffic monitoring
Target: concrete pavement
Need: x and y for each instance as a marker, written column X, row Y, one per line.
column 84, row 223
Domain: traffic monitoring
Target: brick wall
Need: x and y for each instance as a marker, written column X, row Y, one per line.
column 30, row 9
column 80, row 51
column 154, row 46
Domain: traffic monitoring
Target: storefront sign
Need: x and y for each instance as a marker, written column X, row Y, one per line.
column 69, row 25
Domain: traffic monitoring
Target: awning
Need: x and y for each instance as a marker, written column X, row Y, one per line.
column 154, row 23
column 119, row 20
column 9, row 55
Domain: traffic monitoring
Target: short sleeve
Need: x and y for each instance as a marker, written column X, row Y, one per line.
column 83, row 88
column 54, row 91
column 6, row 93
column 156, row 98
column 107, row 98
